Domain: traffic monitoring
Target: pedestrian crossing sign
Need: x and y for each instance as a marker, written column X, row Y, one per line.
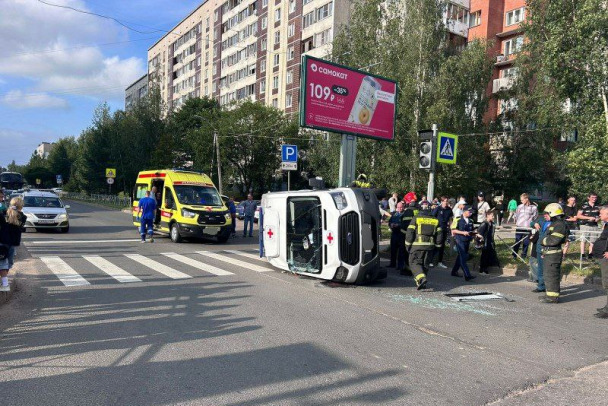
column 110, row 173
column 447, row 148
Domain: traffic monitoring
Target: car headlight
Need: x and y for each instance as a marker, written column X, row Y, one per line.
column 62, row 216
column 228, row 216
column 188, row 214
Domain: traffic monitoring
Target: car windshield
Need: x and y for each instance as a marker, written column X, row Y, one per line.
column 198, row 195
column 38, row 201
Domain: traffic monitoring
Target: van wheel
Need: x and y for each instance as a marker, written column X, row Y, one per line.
column 175, row 237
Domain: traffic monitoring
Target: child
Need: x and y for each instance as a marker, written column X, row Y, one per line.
column 10, row 236
column 485, row 236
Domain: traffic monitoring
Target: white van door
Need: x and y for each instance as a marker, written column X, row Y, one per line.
column 271, row 233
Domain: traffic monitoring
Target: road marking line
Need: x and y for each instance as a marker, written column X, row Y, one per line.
column 77, row 241
column 158, row 267
column 244, row 254
column 197, row 264
column 66, row 274
column 234, row 261
column 115, row 272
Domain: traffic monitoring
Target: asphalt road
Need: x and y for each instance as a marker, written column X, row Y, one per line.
column 224, row 328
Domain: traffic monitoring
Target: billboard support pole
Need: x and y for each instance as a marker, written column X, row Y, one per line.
column 430, row 191
column 348, row 156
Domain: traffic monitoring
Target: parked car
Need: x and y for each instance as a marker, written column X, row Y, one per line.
column 45, row 210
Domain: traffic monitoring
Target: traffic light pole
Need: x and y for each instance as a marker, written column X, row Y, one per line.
column 348, row 156
column 430, row 191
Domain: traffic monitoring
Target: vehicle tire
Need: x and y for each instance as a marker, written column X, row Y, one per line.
column 65, row 229
column 174, row 233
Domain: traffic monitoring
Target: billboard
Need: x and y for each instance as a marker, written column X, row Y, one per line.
column 348, row 101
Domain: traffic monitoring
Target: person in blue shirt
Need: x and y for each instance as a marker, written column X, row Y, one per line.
column 444, row 214
column 146, row 214
column 463, row 234
column 541, row 225
column 249, row 207
column 232, row 210
column 397, row 239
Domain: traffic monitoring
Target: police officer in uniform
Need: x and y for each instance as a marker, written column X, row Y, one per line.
column 423, row 236
column 555, row 236
column 397, row 238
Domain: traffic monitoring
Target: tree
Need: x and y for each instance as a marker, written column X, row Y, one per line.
column 61, row 158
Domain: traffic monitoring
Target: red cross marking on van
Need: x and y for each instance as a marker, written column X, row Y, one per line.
column 270, row 233
column 330, row 238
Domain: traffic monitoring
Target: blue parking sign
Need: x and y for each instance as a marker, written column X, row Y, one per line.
column 289, row 153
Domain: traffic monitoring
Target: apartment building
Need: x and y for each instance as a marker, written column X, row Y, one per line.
column 500, row 21
column 136, row 91
column 44, row 149
column 244, row 49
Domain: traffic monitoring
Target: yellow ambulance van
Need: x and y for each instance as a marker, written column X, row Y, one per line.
column 190, row 205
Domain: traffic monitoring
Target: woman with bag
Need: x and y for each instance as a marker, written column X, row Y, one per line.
column 10, row 237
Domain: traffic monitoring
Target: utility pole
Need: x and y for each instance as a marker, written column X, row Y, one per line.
column 348, row 156
column 430, row 191
column 219, row 162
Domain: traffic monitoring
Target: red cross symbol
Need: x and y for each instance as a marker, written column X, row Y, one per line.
column 330, row 238
column 270, row 233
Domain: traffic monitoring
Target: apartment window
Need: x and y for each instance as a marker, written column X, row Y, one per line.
column 276, row 60
column 263, row 86
column 292, row 6
column 216, row 16
column 207, row 24
column 308, row 19
column 515, row 16
column 215, row 69
column 322, row 38
column 277, row 37
column 264, row 3
column 290, row 53
column 513, row 45
column 264, row 23
column 206, row 90
column 289, row 77
column 275, row 82
column 277, row 15
column 325, row 11
column 306, row 1
column 288, row 100
column 213, row 87
column 291, row 30
column 475, row 19
column 263, row 65
column 510, row 72
column 275, row 103
column 264, row 44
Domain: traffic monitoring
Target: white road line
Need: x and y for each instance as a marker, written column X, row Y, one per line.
column 158, row 267
column 65, row 273
column 197, row 264
column 234, row 261
column 46, row 242
column 252, row 256
column 115, row 272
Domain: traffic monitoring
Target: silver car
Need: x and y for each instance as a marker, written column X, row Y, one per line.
column 45, row 210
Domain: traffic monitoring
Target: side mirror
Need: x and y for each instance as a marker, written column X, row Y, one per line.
column 67, row 206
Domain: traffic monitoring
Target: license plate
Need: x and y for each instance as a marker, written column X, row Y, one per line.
column 212, row 230
column 46, row 221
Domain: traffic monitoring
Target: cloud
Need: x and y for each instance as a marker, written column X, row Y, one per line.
column 17, row 99
column 41, row 43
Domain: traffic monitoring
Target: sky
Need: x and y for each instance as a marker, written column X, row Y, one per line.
column 58, row 65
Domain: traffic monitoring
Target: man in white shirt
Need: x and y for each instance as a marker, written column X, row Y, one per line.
column 482, row 208
column 392, row 203
column 525, row 213
column 459, row 207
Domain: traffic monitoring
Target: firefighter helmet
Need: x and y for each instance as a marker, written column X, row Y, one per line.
column 554, row 210
column 409, row 197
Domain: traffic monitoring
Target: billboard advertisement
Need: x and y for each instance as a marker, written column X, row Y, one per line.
column 348, row 101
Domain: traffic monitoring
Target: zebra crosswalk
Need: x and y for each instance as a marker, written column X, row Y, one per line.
column 87, row 270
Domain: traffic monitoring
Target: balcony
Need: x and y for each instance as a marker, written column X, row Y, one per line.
column 502, row 84
column 463, row 3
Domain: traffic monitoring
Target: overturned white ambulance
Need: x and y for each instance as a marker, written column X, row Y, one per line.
column 327, row 234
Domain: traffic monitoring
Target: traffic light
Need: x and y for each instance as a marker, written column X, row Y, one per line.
column 426, row 150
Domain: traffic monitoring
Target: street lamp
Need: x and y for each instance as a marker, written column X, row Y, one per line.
column 216, row 144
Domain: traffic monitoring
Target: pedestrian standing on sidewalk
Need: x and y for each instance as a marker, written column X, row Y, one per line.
column 232, row 211
column 499, row 210
column 589, row 214
column 249, row 207
column 600, row 253
column 397, row 239
column 11, row 228
column 463, row 234
column 485, row 235
column 392, row 203
column 571, row 213
column 443, row 213
column 512, row 207
column 146, row 214
column 526, row 212
column 480, row 208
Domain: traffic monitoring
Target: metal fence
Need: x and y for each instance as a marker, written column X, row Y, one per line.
column 111, row 200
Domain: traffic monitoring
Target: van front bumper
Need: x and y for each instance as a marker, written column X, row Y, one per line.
column 202, row 231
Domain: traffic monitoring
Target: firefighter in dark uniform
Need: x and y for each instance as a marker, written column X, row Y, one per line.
column 410, row 201
column 423, row 236
column 397, row 238
column 552, row 252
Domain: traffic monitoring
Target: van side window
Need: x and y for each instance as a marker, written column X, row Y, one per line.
column 169, row 200
column 140, row 191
